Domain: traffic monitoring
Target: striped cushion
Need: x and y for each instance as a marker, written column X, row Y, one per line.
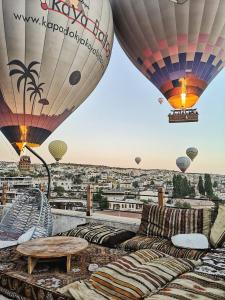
column 166, row 222
column 132, row 277
column 100, row 234
column 137, row 275
column 163, row 245
column 141, row 242
column 192, row 286
column 217, row 235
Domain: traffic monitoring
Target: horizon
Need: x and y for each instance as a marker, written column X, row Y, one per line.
column 122, row 119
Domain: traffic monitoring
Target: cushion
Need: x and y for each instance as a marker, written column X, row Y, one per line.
column 166, row 221
column 163, row 245
column 190, row 241
column 26, row 236
column 217, row 235
column 100, row 234
column 192, row 286
column 136, row 276
column 141, row 242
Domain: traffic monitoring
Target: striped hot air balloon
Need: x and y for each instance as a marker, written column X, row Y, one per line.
column 178, row 45
column 52, row 55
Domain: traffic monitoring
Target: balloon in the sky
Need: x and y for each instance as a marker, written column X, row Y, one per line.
column 192, row 152
column 183, row 163
column 57, row 149
column 178, row 45
column 52, row 55
column 160, row 100
column 137, row 160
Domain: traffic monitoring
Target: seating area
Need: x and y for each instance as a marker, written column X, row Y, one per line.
column 119, row 265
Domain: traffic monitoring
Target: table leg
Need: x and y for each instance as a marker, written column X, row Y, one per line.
column 31, row 264
column 68, row 263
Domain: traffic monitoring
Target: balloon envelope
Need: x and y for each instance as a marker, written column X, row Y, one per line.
column 183, row 163
column 57, row 149
column 192, row 152
column 52, row 56
column 180, row 48
column 138, row 160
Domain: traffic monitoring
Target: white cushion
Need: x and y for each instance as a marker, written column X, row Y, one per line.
column 190, row 241
column 26, row 236
column 6, row 244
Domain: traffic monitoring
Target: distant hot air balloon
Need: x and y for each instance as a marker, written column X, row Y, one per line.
column 57, row 149
column 52, row 56
column 192, row 152
column 178, row 45
column 160, row 100
column 183, row 163
column 24, row 164
column 137, row 160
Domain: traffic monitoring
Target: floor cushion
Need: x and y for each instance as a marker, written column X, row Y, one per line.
column 134, row 276
column 161, row 244
column 192, row 286
column 100, row 234
column 217, row 235
column 166, row 221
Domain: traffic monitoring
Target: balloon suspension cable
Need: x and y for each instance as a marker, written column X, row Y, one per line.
column 47, row 168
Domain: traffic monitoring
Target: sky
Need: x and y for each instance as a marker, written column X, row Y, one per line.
column 122, row 119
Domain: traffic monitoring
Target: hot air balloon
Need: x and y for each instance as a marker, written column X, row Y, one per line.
column 24, row 164
column 192, row 152
column 137, row 160
column 160, row 100
column 178, row 45
column 183, row 163
column 57, row 149
column 52, row 56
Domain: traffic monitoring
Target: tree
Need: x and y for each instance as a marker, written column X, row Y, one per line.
column 208, row 186
column 102, row 201
column 135, row 184
column 201, row 188
column 178, row 204
column 186, row 205
column 215, row 184
column 59, row 190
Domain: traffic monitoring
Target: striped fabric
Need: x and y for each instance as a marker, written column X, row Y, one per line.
column 166, row 222
column 100, row 234
column 192, row 286
column 163, row 245
column 132, row 277
column 217, row 235
column 137, row 275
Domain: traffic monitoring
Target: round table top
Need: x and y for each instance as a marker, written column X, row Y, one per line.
column 51, row 247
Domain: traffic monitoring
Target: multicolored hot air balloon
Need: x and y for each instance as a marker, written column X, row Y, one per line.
column 57, row 149
column 178, row 45
column 52, row 56
column 183, row 163
column 137, row 160
column 192, row 152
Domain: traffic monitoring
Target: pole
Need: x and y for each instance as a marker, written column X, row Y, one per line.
column 161, row 196
column 89, row 201
column 46, row 166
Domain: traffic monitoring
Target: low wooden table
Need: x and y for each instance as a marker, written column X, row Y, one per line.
column 52, row 247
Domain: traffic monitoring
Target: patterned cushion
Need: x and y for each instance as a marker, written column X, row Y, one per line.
column 163, row 245
column 213, row 265
column 100, row 234
column 192, row 286
column 217, row 235
column 135, row 276
column 141, row 242
column 167, row 247
column 166, row 221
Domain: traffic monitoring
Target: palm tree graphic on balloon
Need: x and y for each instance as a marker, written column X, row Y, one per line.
column 26, row 74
